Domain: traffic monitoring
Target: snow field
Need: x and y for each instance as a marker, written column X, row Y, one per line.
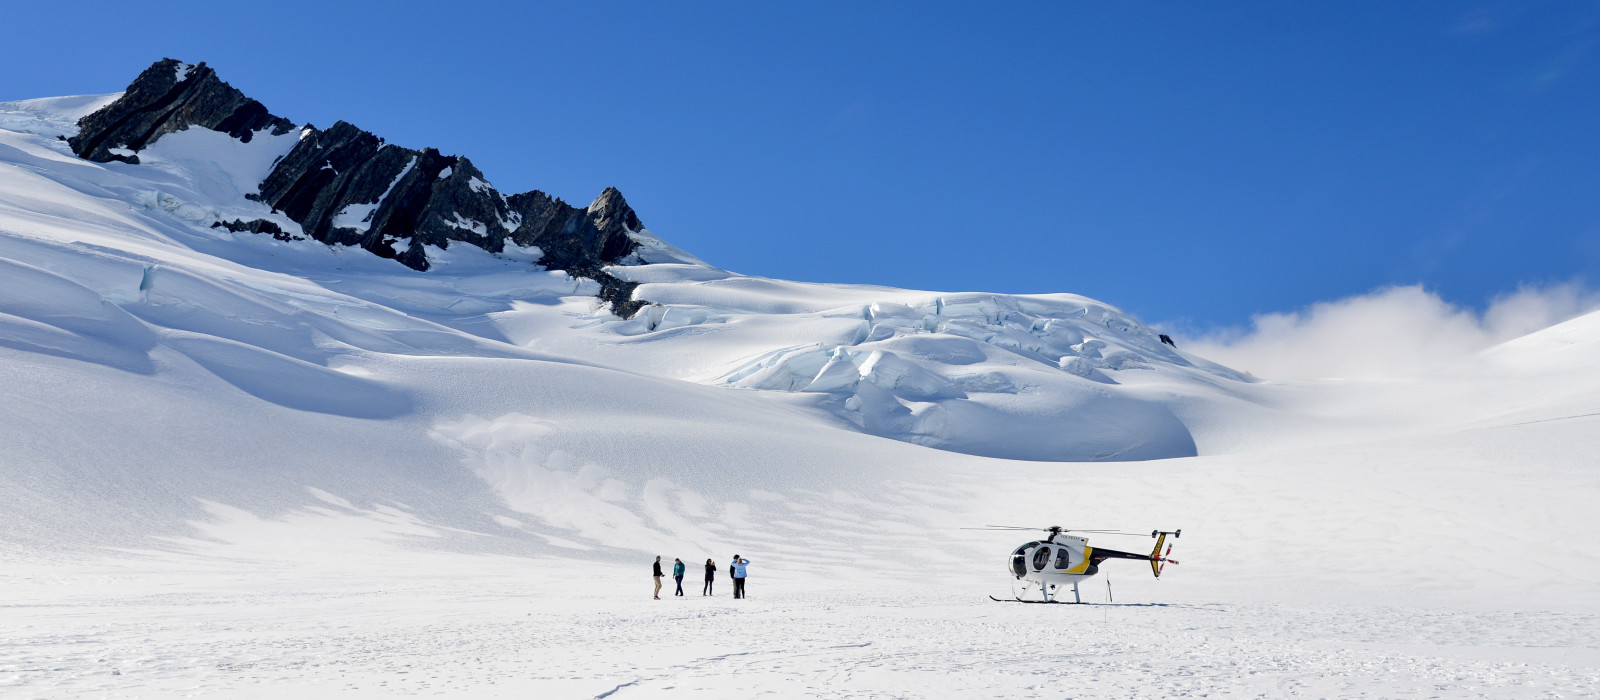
column 514, row 632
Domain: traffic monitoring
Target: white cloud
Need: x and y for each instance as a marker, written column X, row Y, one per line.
column 1392, row 332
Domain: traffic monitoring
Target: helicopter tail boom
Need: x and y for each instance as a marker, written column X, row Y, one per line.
column 1158, row 557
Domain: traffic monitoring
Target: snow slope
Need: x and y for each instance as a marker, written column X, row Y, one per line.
column 243, row 466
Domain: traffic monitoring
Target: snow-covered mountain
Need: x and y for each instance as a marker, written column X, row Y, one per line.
column 207, row 171
column 243, row 360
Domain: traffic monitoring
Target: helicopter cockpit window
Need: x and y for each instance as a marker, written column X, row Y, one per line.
column 1019, row 560
column 1063, row 558
column 1041, row 558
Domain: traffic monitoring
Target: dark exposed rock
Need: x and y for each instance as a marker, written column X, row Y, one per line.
column 258, row 226
column 170, row 96
column 571, row 237
column 346, row 186
column 614, row 290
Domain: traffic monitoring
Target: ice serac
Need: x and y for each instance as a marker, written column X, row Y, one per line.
column 170, row 96
column 347, row 186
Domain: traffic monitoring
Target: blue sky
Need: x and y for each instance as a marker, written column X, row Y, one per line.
column 1190, row 162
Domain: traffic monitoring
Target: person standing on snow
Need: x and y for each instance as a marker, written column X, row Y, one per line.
column 677, row 574
column 738, row 575
column 655, row 571
column 711, row 577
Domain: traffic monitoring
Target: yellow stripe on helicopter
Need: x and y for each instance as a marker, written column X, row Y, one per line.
column 1082, row 565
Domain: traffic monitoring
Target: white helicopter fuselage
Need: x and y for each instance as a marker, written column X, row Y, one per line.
column 1063, row 560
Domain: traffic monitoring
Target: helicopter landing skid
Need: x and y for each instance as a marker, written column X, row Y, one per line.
column 1034, row 602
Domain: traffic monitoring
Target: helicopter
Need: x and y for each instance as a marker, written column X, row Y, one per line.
column 1062, row 558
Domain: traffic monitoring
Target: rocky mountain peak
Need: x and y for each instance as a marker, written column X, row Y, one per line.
column 346, row 186
column 170, row 96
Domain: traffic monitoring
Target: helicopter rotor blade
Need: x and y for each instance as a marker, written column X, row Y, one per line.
column 1004, row 527
column 1052, row 529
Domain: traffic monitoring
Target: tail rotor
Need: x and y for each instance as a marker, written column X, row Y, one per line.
column 1158, row 558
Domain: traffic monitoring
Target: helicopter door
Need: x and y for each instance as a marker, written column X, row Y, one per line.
column 1063, row 558
column 1041, row 557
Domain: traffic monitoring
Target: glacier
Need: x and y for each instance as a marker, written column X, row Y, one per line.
column 250, row 465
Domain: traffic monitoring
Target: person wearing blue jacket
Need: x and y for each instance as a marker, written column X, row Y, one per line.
column 677, row 574
column 738, row 575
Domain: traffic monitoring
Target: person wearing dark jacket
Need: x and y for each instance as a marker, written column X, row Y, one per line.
column 711, row 577
column 655, row 570
column 677, row 574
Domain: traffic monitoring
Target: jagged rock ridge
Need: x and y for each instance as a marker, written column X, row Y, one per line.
column 347, row 186
column 170, row 96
